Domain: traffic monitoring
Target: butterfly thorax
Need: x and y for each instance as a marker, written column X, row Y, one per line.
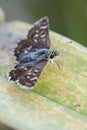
column 34, row 57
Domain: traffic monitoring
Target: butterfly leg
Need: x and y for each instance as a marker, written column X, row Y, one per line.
column 58, row 65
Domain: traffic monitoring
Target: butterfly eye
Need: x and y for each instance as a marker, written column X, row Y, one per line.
column 54, row 54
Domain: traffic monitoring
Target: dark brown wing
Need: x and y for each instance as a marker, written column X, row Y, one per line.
column 39, row 34
column 26, row 77
column 38, row 37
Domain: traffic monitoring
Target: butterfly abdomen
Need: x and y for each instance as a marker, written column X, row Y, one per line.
column 34, row 57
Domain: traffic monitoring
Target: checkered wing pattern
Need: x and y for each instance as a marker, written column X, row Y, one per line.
column 26, row 76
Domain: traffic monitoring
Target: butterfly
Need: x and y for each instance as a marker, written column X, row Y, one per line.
column 32, row 55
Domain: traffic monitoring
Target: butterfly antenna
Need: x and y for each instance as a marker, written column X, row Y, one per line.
column 58, row 65
column 65, row 45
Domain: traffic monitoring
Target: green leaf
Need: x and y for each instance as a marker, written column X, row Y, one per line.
column 59, row 100
column 2, row 16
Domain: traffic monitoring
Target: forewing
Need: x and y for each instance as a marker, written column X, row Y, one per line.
column 39, row 34
column 37, row 38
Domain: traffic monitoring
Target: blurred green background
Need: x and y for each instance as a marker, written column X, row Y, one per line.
column 68, row 17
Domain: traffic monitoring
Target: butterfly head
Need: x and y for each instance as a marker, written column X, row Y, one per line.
column 54, row 54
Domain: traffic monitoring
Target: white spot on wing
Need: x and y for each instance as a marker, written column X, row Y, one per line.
column 35, row 40
column 36, row 35
column 34, row 78
column 43, row 35
column 36, row 70
column 36, row 31
column 25, row 86
column 29, row 47
column 9, row 78
column 29, row 73
column 34, row 74
column 25, row 68
column 28, row 77
column 43, row 27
